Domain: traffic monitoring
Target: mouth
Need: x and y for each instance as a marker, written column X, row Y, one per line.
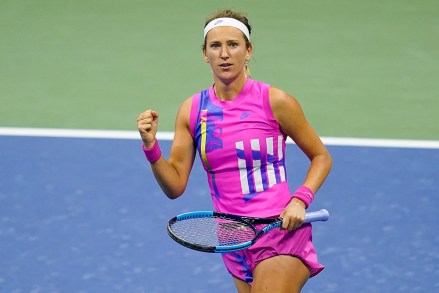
column 225, row 65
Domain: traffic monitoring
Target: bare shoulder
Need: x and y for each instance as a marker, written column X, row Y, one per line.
column 184, row 111
column 283, row 104
column 291, row 118
column 186, row 104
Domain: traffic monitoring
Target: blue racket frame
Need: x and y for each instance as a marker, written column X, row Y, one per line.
column 272, row 223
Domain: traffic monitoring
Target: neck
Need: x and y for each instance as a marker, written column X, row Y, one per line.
column 226, row 91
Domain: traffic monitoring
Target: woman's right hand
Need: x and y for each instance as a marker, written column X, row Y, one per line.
column 147, row 124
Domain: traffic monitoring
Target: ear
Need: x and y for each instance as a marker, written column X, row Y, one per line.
column 204, row 55
column 248, row 55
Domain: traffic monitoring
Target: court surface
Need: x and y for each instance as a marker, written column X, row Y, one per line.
column 86, row 215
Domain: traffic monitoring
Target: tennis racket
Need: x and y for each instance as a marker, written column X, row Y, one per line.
column 210, row 231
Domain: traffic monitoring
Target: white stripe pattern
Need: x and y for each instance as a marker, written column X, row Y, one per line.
column 270, row 168
column 257, row 166
column 280, row 156
column 242, row 169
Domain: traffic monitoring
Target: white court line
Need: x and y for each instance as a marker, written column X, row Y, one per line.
column 78, row 133
column 126, row 134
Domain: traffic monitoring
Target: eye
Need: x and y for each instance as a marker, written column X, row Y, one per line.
column 214, row 45
column 233, row 45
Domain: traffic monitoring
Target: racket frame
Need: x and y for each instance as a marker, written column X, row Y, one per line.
column 321, row 215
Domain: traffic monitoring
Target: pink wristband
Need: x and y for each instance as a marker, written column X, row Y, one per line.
column 304, row 194
column 153, row 154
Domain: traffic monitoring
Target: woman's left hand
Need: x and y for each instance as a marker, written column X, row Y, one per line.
column 293, row 215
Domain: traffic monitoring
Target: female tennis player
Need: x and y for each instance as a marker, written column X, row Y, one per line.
column 239, row 127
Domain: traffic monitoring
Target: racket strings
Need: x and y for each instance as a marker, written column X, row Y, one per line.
column 212, row 231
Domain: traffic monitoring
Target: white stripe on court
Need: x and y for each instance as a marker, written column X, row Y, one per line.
column 78, row 133
column 167, row 135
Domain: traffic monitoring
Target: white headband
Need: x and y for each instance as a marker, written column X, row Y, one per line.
column 227, row 21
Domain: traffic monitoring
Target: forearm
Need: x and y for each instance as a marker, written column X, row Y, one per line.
column 172, row 175
column 170, row 180
column 318, row 171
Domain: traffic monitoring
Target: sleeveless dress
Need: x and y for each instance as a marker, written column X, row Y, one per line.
column 242, row 149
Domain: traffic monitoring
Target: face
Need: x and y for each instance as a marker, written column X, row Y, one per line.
column 226, row 52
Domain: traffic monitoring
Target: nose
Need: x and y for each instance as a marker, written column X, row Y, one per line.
column 224, row 53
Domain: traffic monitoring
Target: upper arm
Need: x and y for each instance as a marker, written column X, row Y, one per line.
column 182, row 152
column 289, row 114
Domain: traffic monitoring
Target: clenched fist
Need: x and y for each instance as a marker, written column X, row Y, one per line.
column 147, row 124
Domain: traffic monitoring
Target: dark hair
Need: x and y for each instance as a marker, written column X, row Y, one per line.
column 232, row 14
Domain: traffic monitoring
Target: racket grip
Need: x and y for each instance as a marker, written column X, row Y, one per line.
column 322, row 215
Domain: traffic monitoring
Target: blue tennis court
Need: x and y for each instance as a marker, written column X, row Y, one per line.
column 86, row 215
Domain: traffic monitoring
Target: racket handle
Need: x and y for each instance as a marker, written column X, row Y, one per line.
column 322, row 215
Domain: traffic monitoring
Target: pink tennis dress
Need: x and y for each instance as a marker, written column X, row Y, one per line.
column 242, row 150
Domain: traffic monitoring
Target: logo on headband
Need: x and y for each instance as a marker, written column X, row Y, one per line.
column 218, row 22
